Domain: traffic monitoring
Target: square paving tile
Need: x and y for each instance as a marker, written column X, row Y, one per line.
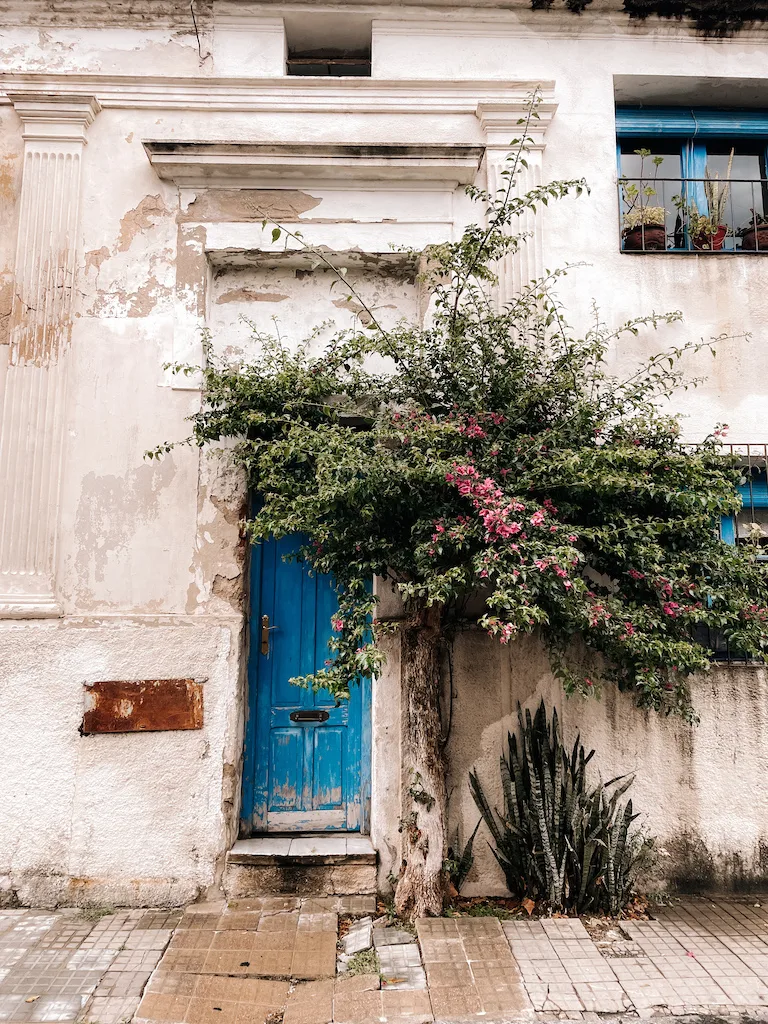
column 91, row 959
column 602, row 996
column 455, row 1002
column 673, row 967
column 437, row 951
column 312, row 965
column 589, row 971
column 647, row 994
column 357, row 1007
column 279, row 922
column 311, row 1002
column 318, row 921
column 391, row 937
column 543, row 971
column 148, row 938
column 746, row 991
column 564, row 928
column 487, row 949
column 357, row 905
column 159, row 920
column 479, row 927
column 448, row 975
column 554, row 997
column 14, row 1008
column 213, row 1000
column 108, row 1010
column 406, row 979
column 635, row 969
column 121, row 984
column 239, row 920
column 397, row 958
column 57, row 1008
column 436, row 928
column 406, row 1004
column 357, row 983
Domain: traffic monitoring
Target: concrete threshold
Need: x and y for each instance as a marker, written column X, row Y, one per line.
column 307, row 865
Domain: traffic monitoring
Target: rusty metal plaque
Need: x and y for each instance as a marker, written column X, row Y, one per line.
column 145, row 705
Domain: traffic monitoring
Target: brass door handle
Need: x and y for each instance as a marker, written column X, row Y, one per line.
column 265, row 628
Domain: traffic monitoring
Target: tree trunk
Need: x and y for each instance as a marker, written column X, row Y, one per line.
column 421, row 888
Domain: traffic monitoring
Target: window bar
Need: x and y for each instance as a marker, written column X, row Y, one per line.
column 731, row 223
column 753, row 210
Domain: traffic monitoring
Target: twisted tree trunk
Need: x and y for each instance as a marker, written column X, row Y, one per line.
column 421, row 888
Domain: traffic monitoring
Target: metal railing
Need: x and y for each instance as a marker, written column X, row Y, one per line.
column 672, row 215
column 750, row 526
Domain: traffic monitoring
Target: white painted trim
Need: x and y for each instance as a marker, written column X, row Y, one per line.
column 206, row 164
column 287, row 95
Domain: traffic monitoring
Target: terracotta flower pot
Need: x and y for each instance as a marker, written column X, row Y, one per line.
column 645, row 238
column 756, row 239
column 711, row 243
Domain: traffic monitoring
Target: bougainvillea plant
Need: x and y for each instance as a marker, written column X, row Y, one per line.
column 493, row 455
column 715, row 17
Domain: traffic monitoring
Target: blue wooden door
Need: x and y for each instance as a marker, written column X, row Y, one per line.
column 307, row 761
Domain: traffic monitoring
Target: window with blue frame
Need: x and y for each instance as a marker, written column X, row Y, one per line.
column 692, row 180
column 748, row 526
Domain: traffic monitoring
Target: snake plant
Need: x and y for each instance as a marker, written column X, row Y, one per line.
column 558, row 838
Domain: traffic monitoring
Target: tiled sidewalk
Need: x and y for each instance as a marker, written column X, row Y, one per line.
column 62, row 966
column 272, row 959
column 698, row 956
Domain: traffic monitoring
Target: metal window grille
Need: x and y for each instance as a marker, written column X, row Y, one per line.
column 748, row 526
column 687, row 225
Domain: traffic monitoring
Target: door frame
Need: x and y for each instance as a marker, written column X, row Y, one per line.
column 253, row 812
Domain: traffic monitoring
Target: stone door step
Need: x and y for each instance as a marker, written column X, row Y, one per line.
column 340, row 865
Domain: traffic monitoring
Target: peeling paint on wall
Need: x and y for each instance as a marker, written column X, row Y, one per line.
column 249, row 295
column 107, row 512
column 191, row 268
column 248, row 204
column 95, row 257
column 140, row 218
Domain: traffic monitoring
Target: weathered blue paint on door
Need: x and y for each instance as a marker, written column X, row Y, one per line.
column 299, row 775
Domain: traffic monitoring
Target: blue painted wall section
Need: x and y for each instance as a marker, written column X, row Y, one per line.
column 312, row 774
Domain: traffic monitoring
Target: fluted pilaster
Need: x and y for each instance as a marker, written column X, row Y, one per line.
column 32, row 400
column 500, row 122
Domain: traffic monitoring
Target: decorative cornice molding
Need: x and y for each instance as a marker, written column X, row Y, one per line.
column 63, row 117
column 227, row 165
column 501, row 122
column 248, row 17
column 286, row 94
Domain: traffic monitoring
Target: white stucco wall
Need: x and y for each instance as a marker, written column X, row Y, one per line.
column 696, row 788
column 150, row 570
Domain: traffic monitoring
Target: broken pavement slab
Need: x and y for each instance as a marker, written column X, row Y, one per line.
column 383, row 936
column 359, row 936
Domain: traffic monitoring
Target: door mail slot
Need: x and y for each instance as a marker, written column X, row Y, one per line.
column 310, row 715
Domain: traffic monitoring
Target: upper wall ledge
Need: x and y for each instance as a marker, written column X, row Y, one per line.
column 291, row 95
column 601, row 17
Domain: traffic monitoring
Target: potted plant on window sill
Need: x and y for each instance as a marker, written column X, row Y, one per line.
column 645, row 229
column 707, row 231
column 754, row 234
column 643, row 225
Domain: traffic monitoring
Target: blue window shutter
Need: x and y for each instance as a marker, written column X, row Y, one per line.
column 728, row 529
column 695, row 166
column 687, row 123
